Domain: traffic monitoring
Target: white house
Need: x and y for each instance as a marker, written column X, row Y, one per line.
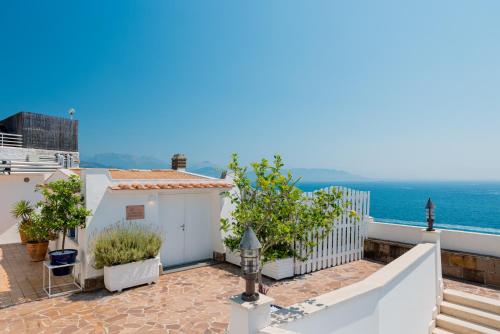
column 184, row 207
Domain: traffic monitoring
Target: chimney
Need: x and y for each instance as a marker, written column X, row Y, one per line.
column 179, row 162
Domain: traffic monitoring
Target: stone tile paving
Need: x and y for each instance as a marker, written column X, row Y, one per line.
column 21, row 279
column 193, row 301
column 474, row 288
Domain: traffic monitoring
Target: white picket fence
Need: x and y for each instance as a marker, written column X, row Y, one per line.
column 344, row 243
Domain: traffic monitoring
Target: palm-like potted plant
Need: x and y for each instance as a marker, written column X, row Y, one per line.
column 62, row 209
column 37, row 237
column 23, row 210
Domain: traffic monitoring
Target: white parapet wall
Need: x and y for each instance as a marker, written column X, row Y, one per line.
column 399, row 298
column 469, row 242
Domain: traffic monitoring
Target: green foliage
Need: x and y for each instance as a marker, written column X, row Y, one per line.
column 24, row 211
column 124, row 243
column 30, row 222
column 36, row 230
column 279, row 212
column 63, row 206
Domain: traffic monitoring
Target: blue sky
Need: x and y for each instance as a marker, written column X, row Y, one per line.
column 385, row 89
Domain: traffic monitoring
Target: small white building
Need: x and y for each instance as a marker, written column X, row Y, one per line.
column 184, row 207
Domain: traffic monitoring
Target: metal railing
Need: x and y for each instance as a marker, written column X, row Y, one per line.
column 10, row 140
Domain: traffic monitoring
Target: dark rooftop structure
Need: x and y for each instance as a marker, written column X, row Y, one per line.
column 43, row 131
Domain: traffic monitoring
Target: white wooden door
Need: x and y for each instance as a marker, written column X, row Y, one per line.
column 187, row 225
column 172, row 221
column 198, row 233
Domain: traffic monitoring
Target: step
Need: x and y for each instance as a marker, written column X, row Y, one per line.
column 471, row 314
column 438, row 330
column 459, row 326
column 32, row 167
column 12, row 167
column 33, row 163
column 28, row 173
column 32, row 170
column 474, row 301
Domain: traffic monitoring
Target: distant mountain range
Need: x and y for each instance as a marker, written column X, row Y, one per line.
column 128, row 161
column 123, row 161
column 325, row 175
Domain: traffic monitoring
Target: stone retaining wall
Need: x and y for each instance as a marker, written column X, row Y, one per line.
column 465, row 266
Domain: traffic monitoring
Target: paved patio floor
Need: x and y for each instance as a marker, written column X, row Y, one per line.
column 476, row 289
column 21, row 279
column 191, row 301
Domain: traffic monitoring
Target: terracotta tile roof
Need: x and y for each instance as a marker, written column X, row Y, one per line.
column 77, row 171
column 170, row 185
column 155, row 174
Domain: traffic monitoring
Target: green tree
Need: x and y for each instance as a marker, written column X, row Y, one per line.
column 278, row 211
column 63, row 207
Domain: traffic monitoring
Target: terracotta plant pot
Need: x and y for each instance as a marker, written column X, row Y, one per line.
column 37, row 251
column 23, row 237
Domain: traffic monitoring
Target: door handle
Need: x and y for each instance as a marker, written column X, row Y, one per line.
column 183, row 226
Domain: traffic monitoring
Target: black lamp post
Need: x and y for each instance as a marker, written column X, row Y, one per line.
column 249, row 250
column 430, row 214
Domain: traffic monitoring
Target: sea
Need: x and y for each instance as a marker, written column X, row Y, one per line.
column 464, row 206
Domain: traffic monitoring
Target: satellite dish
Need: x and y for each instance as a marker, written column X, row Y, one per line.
column 71, row 112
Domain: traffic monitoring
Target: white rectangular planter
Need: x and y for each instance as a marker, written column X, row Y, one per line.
column 278, row 269
column 117, row 278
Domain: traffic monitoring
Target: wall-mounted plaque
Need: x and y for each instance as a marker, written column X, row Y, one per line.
column 133, row 212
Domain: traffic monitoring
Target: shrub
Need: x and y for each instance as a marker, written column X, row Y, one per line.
column 278, row 211
column 124, row 243
column 36, row 230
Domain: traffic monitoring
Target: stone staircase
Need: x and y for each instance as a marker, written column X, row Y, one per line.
column 465, row 313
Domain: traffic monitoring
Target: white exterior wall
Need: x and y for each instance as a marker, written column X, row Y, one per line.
column 218, row 207
column 399, row 298
column 13, row 189
column 470, row 242
column 227, row 209
column 111, row 211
